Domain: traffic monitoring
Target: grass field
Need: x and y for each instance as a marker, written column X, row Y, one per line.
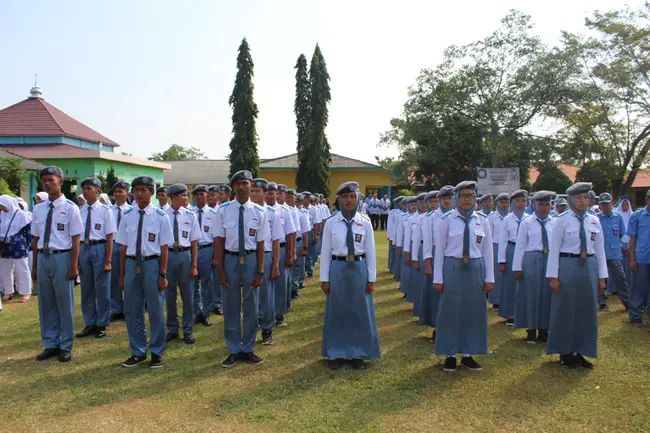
column 519, row 390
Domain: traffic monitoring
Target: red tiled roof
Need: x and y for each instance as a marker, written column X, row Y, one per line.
column 642, row 179
column 570, row 170
column 35, row 117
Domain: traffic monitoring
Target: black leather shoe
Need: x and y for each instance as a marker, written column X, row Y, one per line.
column 100, row 332
column 358, row 364
column 189, row 339
column 335, row 364
column 231, row 361
column 251, row 358
column 156, row 361
column 171, row 336
column 65, row 356
column 86, row 332
column 116, row 316
column 217, row 311
column 205, row 321
column 47, row 354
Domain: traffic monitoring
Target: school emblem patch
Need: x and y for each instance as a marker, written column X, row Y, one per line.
column 152, row 237
column 60, row 227
column 357, row 238
column 479, row 239
column 206, row 229
column 252, row 232
column 98, row 226
column 593, row 236
column 186, row 234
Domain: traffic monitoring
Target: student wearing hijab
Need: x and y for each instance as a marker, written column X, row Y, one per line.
column 105, row 199
column 463, row 273
column 496, row 221
column 485, row 204
column 15, row 239
column 404, row 235
column 40, row 197
column 533, row 296
column 348, row 275
column 418, row 279
column 391, row 226
column 577, row 268
column 507, row 242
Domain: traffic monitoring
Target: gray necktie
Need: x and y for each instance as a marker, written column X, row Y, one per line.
column 175, row 228
column 350, row 240
column 119, row 216
column 242, row 239
column 138, row 242
column 583, row 236
column 201, row 219
column 87, row 228
column 466, row 240
column 48, row 227
column 544, row 235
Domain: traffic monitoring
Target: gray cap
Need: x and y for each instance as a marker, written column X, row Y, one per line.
column 282, row 188
column 291, row 192
column 605, row 197
column 122, row 185
column 518, row 194
column 261, row 183
column 346, row 187
column 466, row 184
column 579, row 188
column 177, row 188
column 503, row 196
column 421, row 196
column 411, row 200
column 241, row 175
column 161, row 189
column 200, row 188
column 213, row 188
column 561, row 202
column 272, row 186
column 299, row 197
column 543, row 195
column 147, row 181
column 431, row 195
column 485, row 197
column 52, row 170
column 592, row 194
column 91, row 181
column 225, row 188
column 306, row 194
column 446, row 191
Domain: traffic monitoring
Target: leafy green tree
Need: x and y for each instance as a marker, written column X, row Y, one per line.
column 551, row 178
column 4, row 188
column 302, row 110
column 111, row 178
column 12, row 170
column 176, row 152
column 599, row 172
column 243, row 145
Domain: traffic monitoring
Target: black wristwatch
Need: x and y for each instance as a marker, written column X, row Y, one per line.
column 259, row 274
column 163, row 275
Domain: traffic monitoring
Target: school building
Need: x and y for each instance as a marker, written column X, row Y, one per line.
column 371, row 177
column 36, row 130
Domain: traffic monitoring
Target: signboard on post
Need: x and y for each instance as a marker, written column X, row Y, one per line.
column 497, row 180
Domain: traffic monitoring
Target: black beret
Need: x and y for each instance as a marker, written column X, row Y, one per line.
column 241, row 175
column 272, row 186
column 146, row 181
column 466, row 184
column 347, row 187
column 519, row 193
column 291, row 192
column 282, row 188
column 122, row 185
column 225, row 188
column 200, row 188
column 543, row 195
column 91, row 181
column 261, row 183
column 52, row 170
column 503, row 196
column 161, row 189
column 579, row 188
column 213, row 188
column 177, row 188
column 446, row 191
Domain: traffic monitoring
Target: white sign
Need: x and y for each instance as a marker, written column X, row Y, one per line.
column 498, row 180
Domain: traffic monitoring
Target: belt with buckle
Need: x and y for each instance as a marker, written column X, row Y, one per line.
column 236, row 253
column 512, row 242
column 283, row 244
column 98, row 242
column 298, row 239
column 349, row 258
column 49, row 252
column 145, row 258
column 179, row 249
column 575, row 256
column 205, row 246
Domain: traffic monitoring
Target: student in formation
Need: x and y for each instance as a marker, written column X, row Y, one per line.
column 463, row 273
column 624, row 207
column 163, row 198
column 203, row 283
column 398, row 234
column 56, row 231
column 485, row 204
column 225, row 193
column 95, row 266
column 496, row 220
column 239, row 231
column 507, row 242
column 287, row 214
column 120, row 194
column 15, row 244
column 613, row 230
column 418, row 279
column 577, row 268
column 182, row 265
column 302, row 217
column 310, row 264
column 212, row 199
column 144, row 234
column 348, row 275
column 404, row 241
column 639, row 247
column 533, row 298
column 439, row 207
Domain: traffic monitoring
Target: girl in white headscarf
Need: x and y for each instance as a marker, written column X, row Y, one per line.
column 16, row 239
column 624, row 207
column 39, row 197
column 104, row 199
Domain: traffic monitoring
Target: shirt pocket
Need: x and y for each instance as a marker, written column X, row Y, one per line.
column 231, row 226
column 592, row 232
column 60, row 223
column 253, row 227
column 151, row 234
column 358, row 234
column 479, row 236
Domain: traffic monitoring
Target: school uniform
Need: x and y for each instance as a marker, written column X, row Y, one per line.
column 98, row 222
column 506, row 251
column 404, row 234
column 418, row 279
column 496, row 221
column 573, row 326
column 310, row 263
column 16, row 238
column 639, row 228
column 349, row 264
column 242, row 226
column 144, row 232
column 204, row 282
column 399, row 242
column 390, row 234
column 299, row 265
column 373, row 212
column 384, row 208
column 267, row 292
column 283, row 283
column 55, row 223
column 117, row 299
column 613, row 227
column 217, row 289
column 430, row 296
column 185, row 231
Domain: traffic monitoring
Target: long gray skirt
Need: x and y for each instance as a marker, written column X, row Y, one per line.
column 495, row 294
column 405, row 275
column 350, row 327
column 533, row 308
column 574, row 310
column 462, row 315
column 508, row 296
column 417, row 284
column 397, row 266
column 391, row 257
column 430, row 300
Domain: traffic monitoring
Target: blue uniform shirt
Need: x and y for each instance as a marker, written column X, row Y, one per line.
column 613, row 231
column 639, row 227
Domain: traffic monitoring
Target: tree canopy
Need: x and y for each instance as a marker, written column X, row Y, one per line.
column 176, row 152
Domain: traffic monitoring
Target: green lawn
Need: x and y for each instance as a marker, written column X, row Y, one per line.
column 520, row 388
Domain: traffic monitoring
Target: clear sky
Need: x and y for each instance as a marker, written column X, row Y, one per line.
column 150, row 73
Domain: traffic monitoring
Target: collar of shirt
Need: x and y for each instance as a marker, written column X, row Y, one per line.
column 123, row 206
column 58, row 202
column 147, row 210
column 95, row 205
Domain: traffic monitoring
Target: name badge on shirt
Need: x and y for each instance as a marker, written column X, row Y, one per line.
column 479, row 239
column 252, row 232
column 152, row 237
column 98, row 226
column 186, row 234
column 60, row 227
column 593, row 236
column 357, row 238
column 206, row 229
